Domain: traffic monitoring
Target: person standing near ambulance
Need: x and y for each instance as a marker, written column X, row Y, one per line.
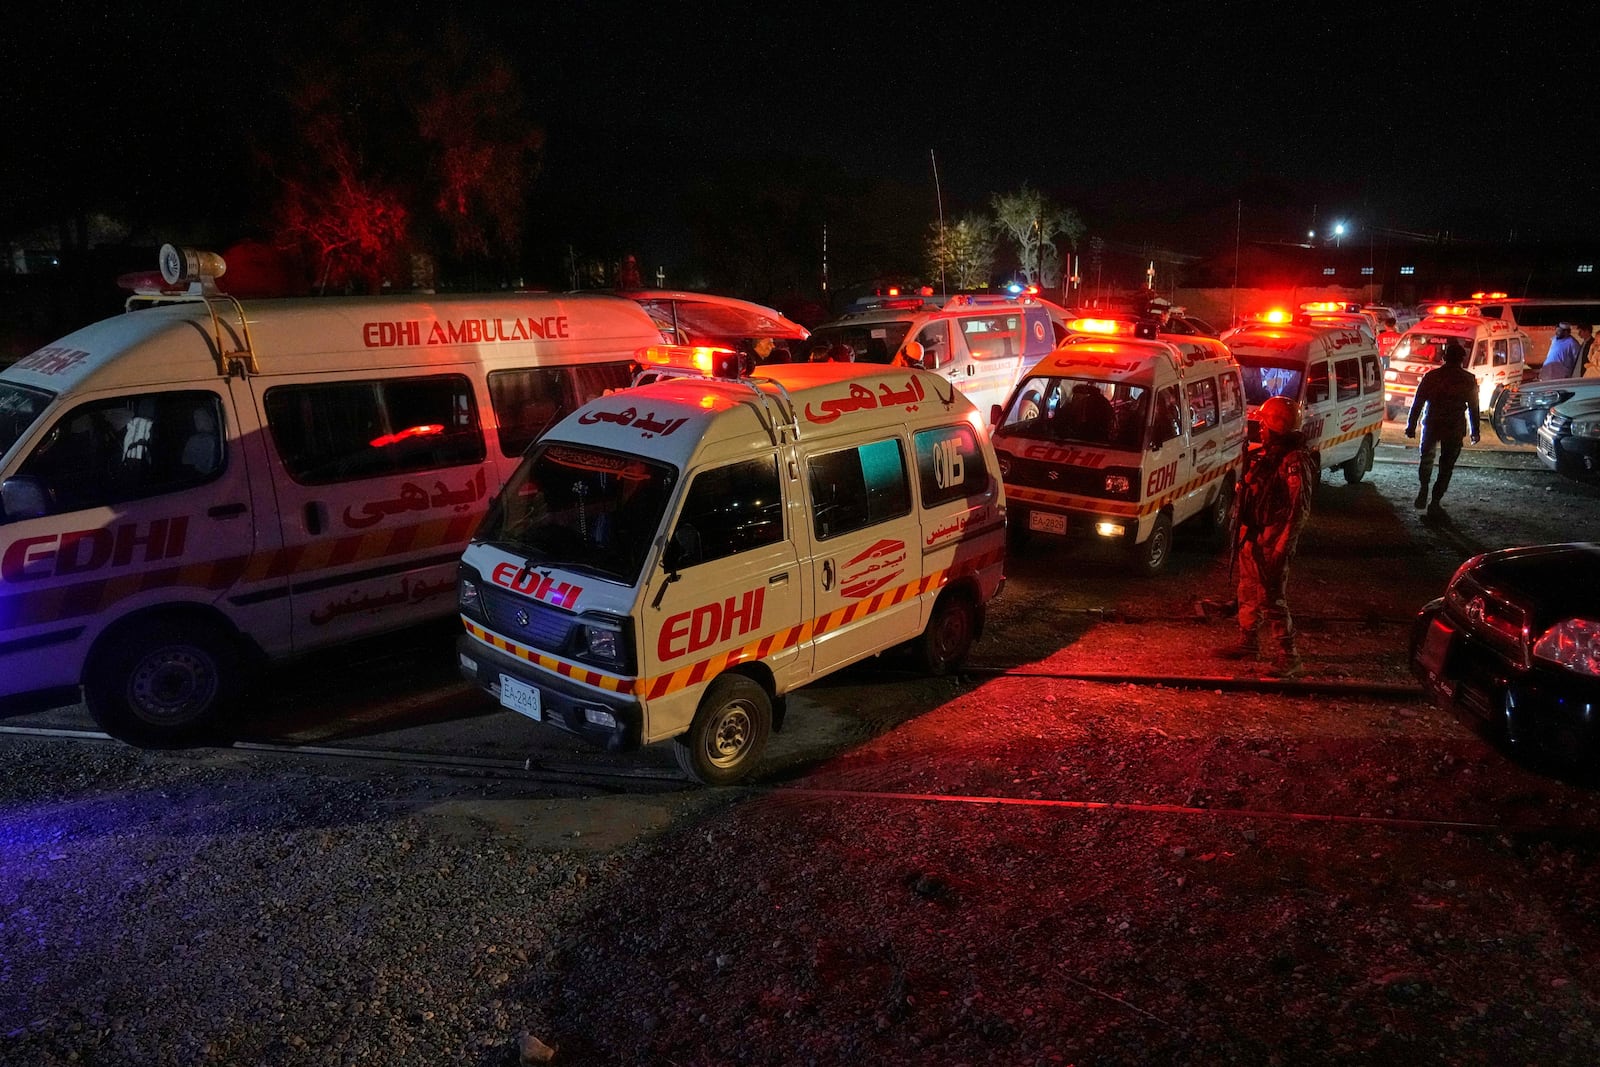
column 1560, row 361
column 1273, row 506
column 1447, row 406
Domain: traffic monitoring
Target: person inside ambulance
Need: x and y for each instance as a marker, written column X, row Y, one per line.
column 1273, row 505
column 1087, row 415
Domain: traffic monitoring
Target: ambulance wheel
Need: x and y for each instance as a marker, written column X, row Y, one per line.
column 1219, row 512
column 951, row 631
column 1357, row 466
column 160, row 683
column 729, row 732
column 1150, row 556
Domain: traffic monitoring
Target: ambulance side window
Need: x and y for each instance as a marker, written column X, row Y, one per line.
column 527, row 403
column 129, row 448
column 1501, row 350
column 950, row 464
column 1480, row 354
column 993, row 336
column 857, row 487
column 1516, row 350
column 342, row 431
column 1371, row 374
column 1167, row 422
column 1203, row 412
column 729, row 510
column 1232, row 395
column 1347, row 374
column 1317, row 383
column 935, row 341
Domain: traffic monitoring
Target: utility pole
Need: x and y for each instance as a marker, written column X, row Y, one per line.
column 944, row 250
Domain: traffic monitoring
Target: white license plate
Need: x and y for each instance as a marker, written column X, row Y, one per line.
column 1435, row 647
column 1046, row 522
column 520, row 697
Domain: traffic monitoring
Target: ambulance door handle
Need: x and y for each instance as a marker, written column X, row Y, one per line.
column 827, row 574
column 779, row 579
column 226, row 511
column 314, row 517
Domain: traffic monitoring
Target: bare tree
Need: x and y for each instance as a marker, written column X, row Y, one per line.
column 1034, row 224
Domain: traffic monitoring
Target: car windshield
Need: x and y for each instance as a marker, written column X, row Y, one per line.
column 872, row 342
column 1264, row 378
column 581, row 509
column 1083, row 410
column 1423, row 348
column 19, row 410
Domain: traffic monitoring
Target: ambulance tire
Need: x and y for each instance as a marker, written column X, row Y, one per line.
column 948, row 638
column 1149, row 557
column 161, row 683
column 729, row 732
column 1357, row 466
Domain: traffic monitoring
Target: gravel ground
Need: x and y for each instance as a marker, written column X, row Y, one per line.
column 1285, row 878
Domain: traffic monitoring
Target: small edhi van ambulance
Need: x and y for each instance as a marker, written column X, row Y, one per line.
column 1497, row 352
column 190, row 489
column 980, row 343
column 1333, row 372
column 672, row 559
column 1124, row 436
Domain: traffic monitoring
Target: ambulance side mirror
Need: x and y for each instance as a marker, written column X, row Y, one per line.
column 23, row 498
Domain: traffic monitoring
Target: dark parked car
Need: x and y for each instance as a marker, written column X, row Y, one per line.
column 1517, row 412
column 1515, row 643
column 1569, row 439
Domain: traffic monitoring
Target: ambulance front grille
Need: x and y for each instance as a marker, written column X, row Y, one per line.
column 546, row 627
column 1083, row 481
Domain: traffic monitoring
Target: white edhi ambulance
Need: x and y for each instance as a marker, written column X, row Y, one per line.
column 1497, row 353
column 193, row 488
column 1124, row 436
column 672, row 559
column 1333, row 372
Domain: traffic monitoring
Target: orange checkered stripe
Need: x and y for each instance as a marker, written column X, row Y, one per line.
column 1360, row 431
column 94, row 595
column 1029, row 495
column 777, row 641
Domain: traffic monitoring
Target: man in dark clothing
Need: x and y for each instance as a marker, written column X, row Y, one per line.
column 1585, row 336
column 1273, row 505
column 1449, row 393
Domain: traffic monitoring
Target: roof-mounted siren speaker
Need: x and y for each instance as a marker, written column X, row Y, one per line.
column 197, row 269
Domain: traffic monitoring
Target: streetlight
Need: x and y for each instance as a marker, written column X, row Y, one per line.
column 1338, row 233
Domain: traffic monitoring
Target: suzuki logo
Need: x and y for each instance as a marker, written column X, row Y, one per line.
column 1054, row 476
column 522, row 617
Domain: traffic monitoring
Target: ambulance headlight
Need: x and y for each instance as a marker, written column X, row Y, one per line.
column 1110, row 529
column 1117, row 483
column 468, row 599
column 603, row 641
column 1586, row 427
column 1391, row 375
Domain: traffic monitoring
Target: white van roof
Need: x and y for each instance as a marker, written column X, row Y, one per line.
column 178, row 341
column 1296, row 342
column 1128, row 360
column 668, row 418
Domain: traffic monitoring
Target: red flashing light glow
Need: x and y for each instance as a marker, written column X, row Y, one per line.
column 700, row 358
column 1322, row 305
column 1099, row 326
column 400, row 435
column 1451, row 309
column 1276, row 316
column 894, row 290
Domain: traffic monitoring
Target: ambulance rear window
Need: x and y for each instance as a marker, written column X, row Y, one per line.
column 873, row 342
column 19, row 410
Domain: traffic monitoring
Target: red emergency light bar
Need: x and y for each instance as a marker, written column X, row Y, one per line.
column 717, row 362
column 1329, row 305
column 1107, row 326
column 1452, row 309
column 1488, row 296
column 1276, row 316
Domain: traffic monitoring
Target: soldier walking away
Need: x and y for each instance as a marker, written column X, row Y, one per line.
column 1449, row 393
column 1274, row 503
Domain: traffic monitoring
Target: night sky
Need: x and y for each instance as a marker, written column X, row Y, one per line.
column 1153, row 122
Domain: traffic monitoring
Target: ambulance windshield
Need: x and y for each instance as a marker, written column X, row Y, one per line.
column 581, row 509
column 19, row 410
column 1083, row 410
column 1265, row 378
column 1423, row 348
column 874, row 342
